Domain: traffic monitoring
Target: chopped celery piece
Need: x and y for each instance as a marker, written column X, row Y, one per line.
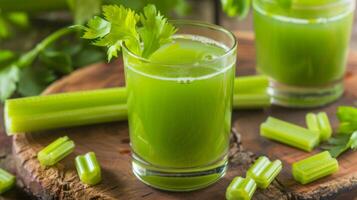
column 263, row 171
column 241, row 189
column 88, row 168
column 7, row 181
column 312, row 123
column 55, row 151
column 325, row 126
column 289, row 134
column 249, row 101
column 314, row 167
column 257, row 84
column 347, row 114
column 346, row 128
column 320, row 124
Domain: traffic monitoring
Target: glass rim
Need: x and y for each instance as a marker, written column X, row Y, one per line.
column 228, row 52
column 297, row 6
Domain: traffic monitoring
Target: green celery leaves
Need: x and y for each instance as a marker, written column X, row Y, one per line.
column 120, row 26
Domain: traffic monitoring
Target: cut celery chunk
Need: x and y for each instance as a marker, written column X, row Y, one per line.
column 289, row 134
column 263, row 171
column 319, row 123
column 7, row 181
column 88, row 168
column 325, row 126
column 314, row 167
column 241, row 189
column 55, row 151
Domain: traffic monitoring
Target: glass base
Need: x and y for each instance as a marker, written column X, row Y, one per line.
column 304, row 97
column 173, row 179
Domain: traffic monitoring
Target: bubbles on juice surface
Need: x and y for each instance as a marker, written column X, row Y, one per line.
column 208, row 57
column 185, row 80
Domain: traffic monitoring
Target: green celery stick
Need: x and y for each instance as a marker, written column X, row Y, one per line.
column 263, row 171
column 346, row 128
column 55, row 151
column 347, row 114
column 88, row 168
column 99, row 106
column 7, row 181
column 256, row 84
column 251, row 101
column 241, row 189
column 311, row 122
column 325, row 126
column 320, row 124
column 289, row 134
column 314, row 167
column 65, row 118
column 64, row 101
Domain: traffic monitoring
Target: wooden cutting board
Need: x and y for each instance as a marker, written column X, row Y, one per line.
column 111, row 143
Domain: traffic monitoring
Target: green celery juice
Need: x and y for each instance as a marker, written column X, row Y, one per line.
column 304, row 46
column 180, row 103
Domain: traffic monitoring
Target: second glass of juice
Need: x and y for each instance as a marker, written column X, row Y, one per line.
column 303, row 48
column 180, row 104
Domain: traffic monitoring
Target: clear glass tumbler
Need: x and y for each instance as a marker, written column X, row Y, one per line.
column 303, row 48
column 180, row 104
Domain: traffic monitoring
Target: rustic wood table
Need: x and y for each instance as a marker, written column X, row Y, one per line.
column 60, row 182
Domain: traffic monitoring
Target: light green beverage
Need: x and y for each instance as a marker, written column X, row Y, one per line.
column 180, row 102
column 303, row 48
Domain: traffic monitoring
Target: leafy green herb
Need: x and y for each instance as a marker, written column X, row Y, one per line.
column 33, row 80
column 347, row 114
column 120, row 26
column 8, row 79
column 341, row 143
column 10, row 75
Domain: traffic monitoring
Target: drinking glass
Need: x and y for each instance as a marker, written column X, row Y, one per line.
column 180, row 104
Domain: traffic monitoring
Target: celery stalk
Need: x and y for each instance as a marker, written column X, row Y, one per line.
column 314, row 167
column 65, row 118
column 7, row 181
column 65, row 101
column 251, row 101
column 98, row 106
column 251, row 84
column 289, row 134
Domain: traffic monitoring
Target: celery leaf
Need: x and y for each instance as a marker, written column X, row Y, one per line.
column 120, row 26
column 156, row 31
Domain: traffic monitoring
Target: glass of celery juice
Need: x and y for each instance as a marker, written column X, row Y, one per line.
column 180, row 104
column 303, row 48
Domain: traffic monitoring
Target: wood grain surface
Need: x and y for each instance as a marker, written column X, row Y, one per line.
column 111, row 143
